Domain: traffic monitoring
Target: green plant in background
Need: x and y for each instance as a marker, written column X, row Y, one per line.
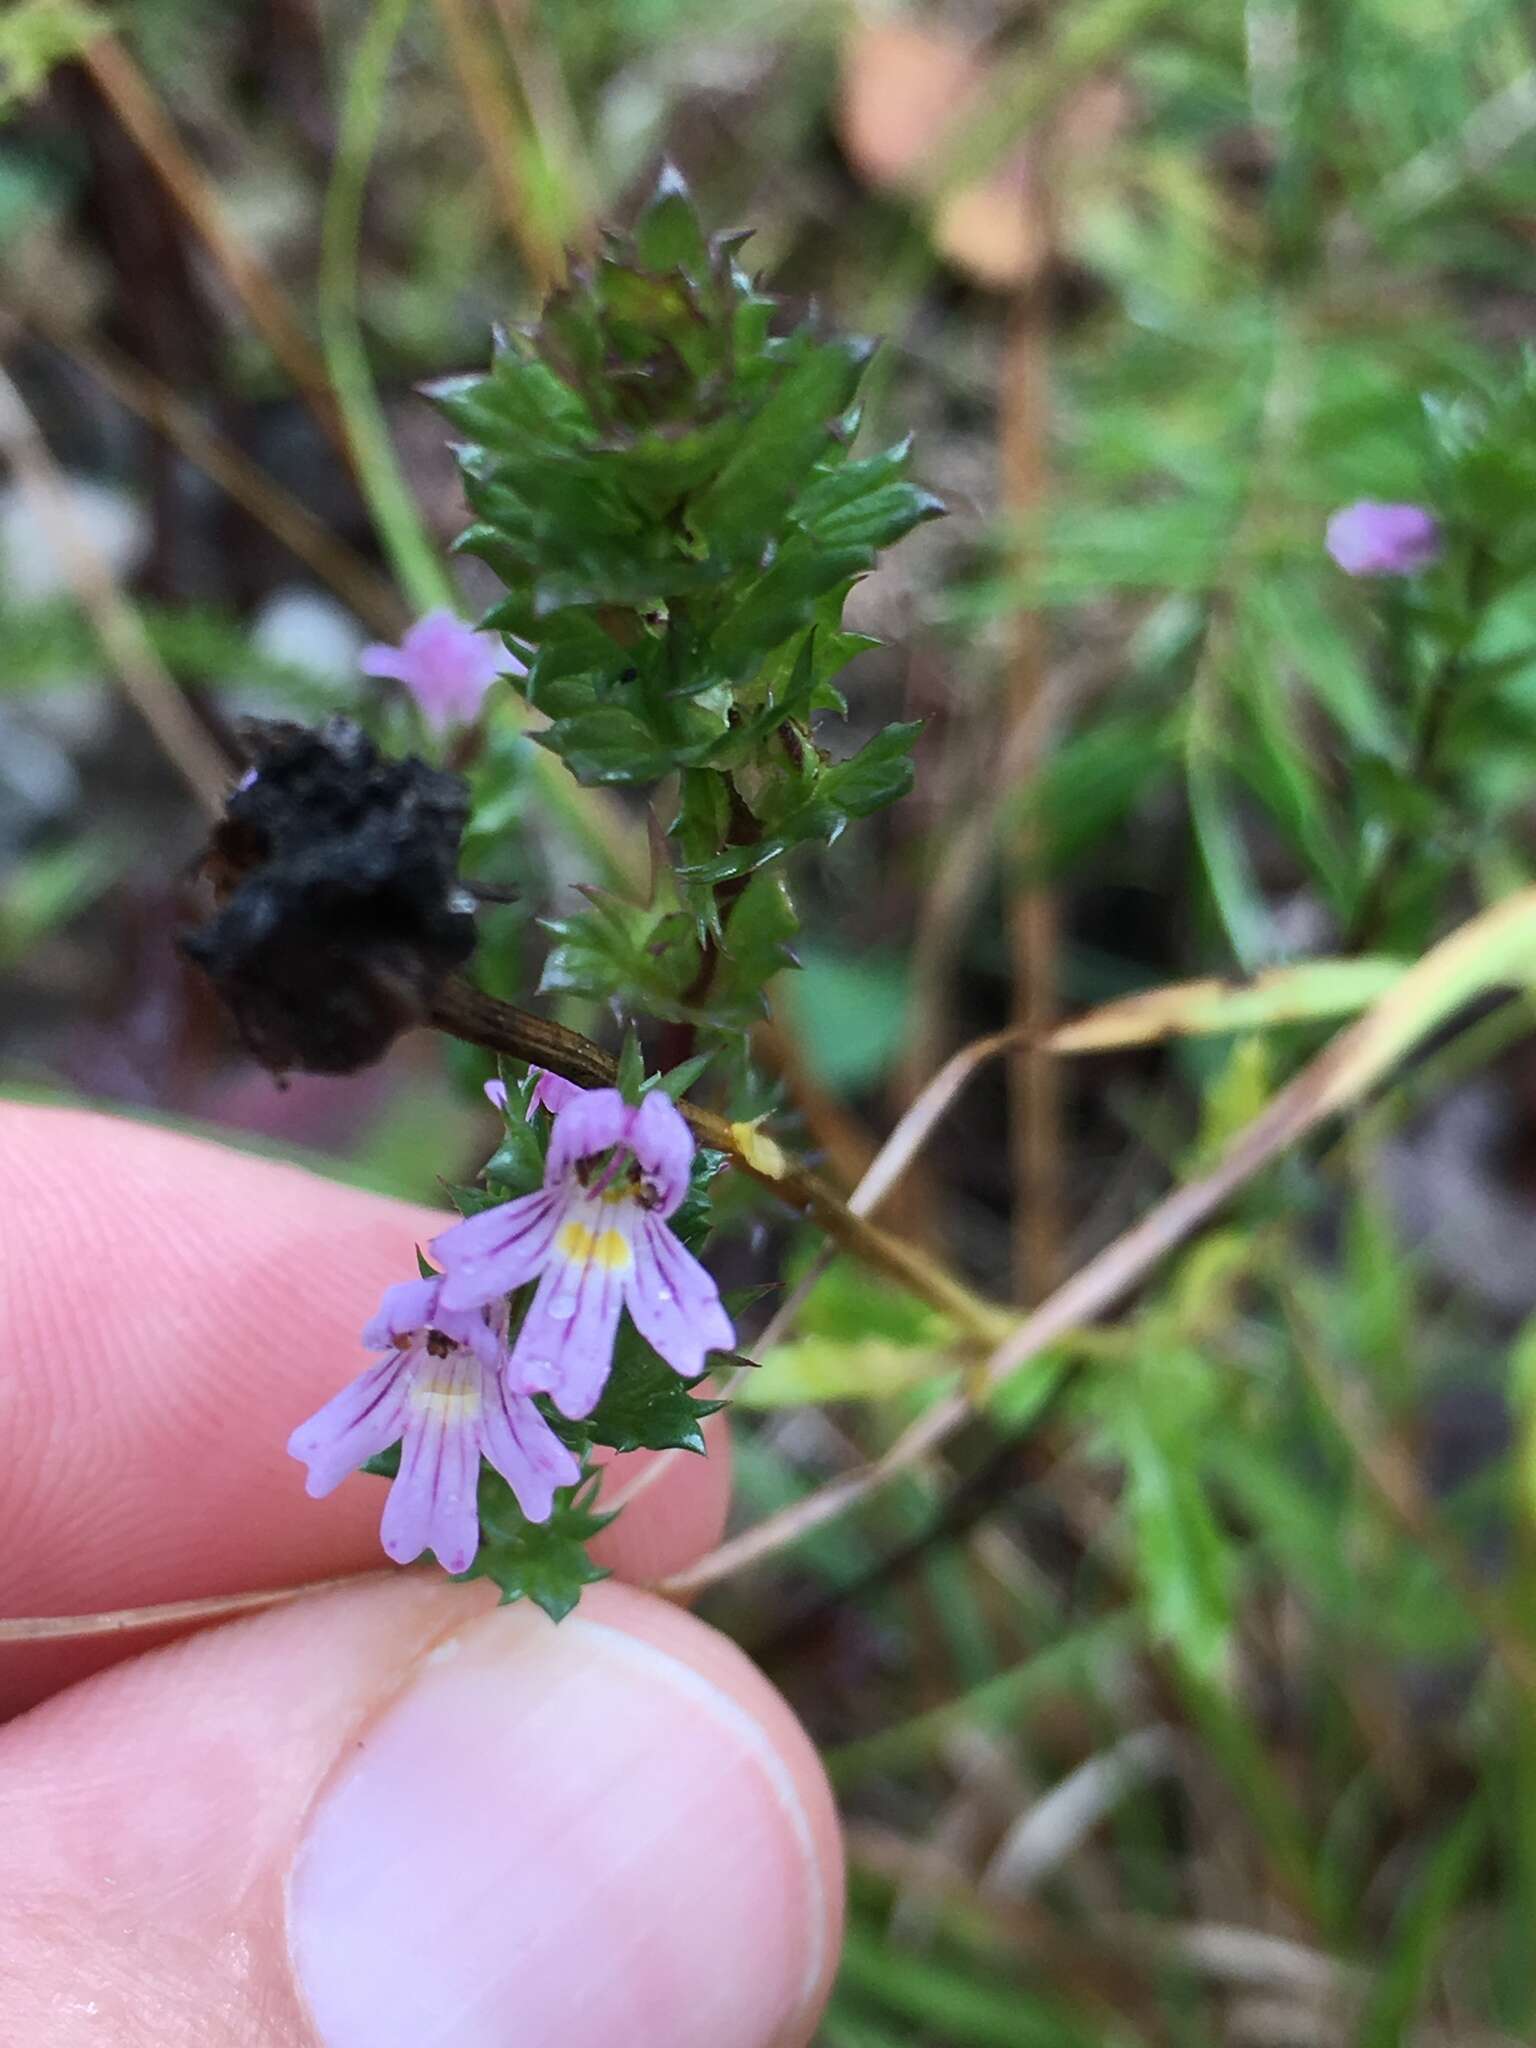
column 1206, row 1571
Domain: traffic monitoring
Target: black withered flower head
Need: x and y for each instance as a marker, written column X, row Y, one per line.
column 340, row 910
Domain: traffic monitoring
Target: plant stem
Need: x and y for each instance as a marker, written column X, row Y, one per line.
column 1424, row 767
column 470, row 1014
column 394, row 511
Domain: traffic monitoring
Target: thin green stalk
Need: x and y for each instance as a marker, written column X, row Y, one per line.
column 394, row 511
column 413, row 557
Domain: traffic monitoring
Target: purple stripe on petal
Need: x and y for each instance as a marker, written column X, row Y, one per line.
column 565, row 1347
column 674, row 1303
column 492, row 1253
column 663, row 1144
column 526, row 1452
column 432, row 1503
column 596, row 1121
column 355, row 1425
column 551, row 1091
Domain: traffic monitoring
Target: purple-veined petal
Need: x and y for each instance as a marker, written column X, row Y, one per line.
column 674, row 1303
column 432, row 1503
column 502, row 1248
column 482, row 1331
column 595, row 1121
column 526, row 1451
column 663, row 1144
column 565, row 1347
column 551, row 1091
column 408, row 1306
column 355, row 1425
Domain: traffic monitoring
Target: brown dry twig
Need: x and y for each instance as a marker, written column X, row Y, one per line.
column 44, row 1628
column 482, row 1020
column 347, row 573
column 123, row 85
column 1490, row 950
column 148, row 685
column 495, row 120
column 1034, row 1082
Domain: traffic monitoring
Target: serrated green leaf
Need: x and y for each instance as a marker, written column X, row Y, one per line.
column 752, row 492
column 630, row 1080
column 645, row 1406
column 756, row 946
column 818, row 803
column 692, row 1221
column 646, row 956
column 668, row 235
column 865, row 504
column 703, row 815
column 609, row 744
column 470, row 1201
column 676, row 1082
column 520, row 405
column 785, row 598
column 877, row 775
column 546, row 1562
column 516, row 1167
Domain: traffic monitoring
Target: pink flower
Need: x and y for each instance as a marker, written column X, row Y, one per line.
column 443, row 1395
column 596, row 1239
column 446, row 665
column 551, row 1092
column 1372, row 539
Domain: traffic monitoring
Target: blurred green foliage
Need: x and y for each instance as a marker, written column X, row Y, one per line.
column 1294, row 272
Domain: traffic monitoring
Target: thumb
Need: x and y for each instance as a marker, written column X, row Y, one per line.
column 395, row 1817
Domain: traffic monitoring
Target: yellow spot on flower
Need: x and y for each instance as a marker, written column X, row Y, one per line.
column 451, row 1401
column 581, row 1246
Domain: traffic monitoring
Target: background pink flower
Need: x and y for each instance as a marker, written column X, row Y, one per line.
column 445, row 665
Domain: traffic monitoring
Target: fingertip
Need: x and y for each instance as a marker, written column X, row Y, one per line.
column 628, row 1792
column 414, row 1822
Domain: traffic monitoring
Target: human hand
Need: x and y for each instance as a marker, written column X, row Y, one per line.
column 388, row 1816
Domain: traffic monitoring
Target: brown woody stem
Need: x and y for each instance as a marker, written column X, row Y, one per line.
column 470, row 1014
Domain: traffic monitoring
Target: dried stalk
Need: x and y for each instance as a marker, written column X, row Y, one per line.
column 132, row 98
column 1034, row 1078
column 1494, row 946
column 495, row 121
column 308, row 539
column 147, row 684
column 53, row 1628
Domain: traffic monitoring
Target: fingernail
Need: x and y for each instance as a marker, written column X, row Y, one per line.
column 557, row 1837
